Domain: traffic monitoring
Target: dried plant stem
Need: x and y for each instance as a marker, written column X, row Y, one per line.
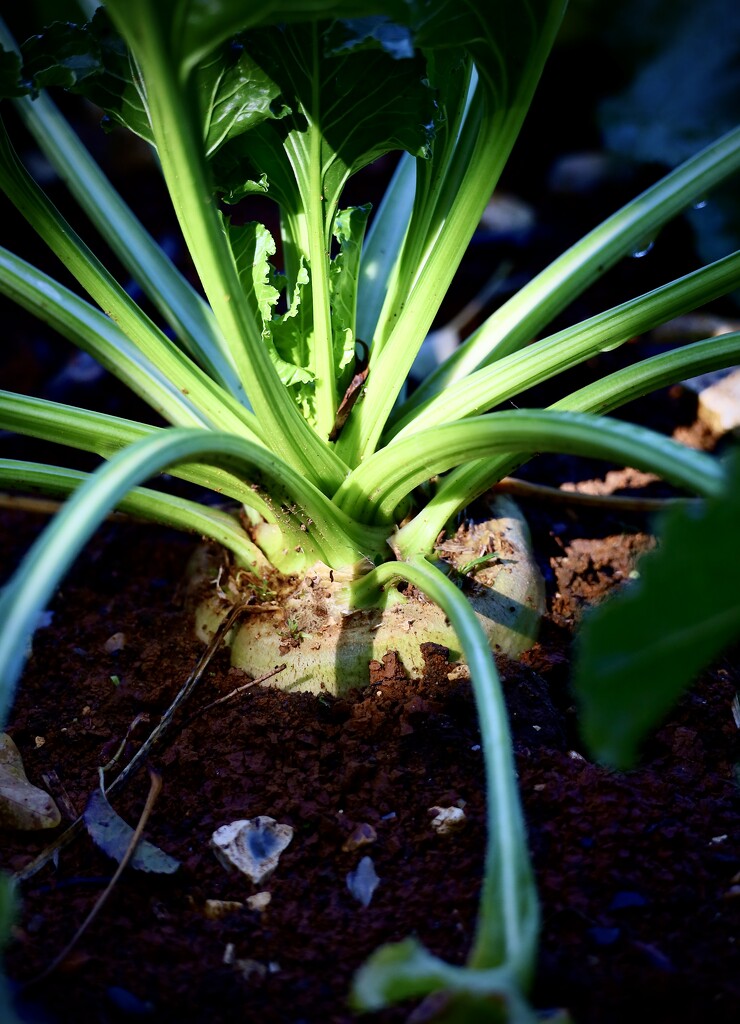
column 625, row 503
column 155, row 786
column 240, row 689
column 48, row 507
column 141, row 754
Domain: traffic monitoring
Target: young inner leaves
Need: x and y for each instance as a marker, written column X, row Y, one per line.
column 286, row 337
column 346, row 109
column 290, row 337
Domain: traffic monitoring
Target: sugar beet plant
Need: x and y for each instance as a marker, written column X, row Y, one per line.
column 285, row 387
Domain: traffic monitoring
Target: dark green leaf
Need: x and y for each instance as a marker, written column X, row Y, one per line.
column 64, row 55
column 91, row 60
column 639, row 651
column 8, row 913
column 113, row 835
column 198, row 26
column 367, row 104
column 500, row 37
column 236, row 95
column 374, row 33
column 11, row 81
column 256, row 165
column 190, row 30
column 8, row 908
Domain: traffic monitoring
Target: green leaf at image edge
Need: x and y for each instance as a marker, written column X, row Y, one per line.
column 638, row 652
column 236, row 94
column 91, row 60
column 8, row 908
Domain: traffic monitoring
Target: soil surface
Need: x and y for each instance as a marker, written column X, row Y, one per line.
column 637, row 871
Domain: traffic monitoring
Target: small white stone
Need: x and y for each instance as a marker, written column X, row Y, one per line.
column 22, row 805
column 259, row 901
column 447, row 820
column 252, row 846
column 115, row 643
column 719, row 399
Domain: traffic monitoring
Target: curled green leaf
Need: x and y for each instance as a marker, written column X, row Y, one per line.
column 406, row 970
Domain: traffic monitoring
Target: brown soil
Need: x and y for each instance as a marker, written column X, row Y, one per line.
column 637, row 872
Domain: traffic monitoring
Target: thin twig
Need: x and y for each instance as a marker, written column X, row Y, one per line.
column 56, row 787
column 155, row 786
column 49, row 507
column 239, row 689
column 625, row 503
column 66, row 837
column 141, row 717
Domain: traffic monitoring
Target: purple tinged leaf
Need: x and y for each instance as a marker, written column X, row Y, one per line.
column 112, row 834
column 363, row 881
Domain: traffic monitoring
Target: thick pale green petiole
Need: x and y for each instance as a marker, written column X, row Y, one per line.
column 513, row 374
column 525, row 315
column 153, row 506
column 464, row 485
column 377, row 487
